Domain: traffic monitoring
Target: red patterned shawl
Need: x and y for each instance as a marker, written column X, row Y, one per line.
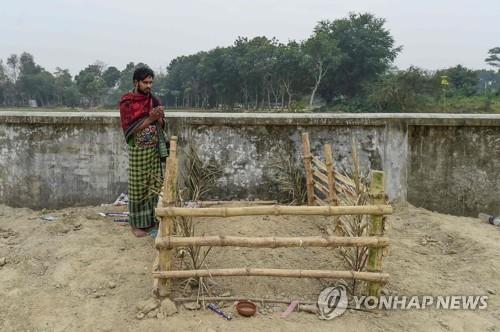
column 134, row 109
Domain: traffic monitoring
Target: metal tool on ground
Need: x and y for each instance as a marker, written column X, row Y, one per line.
column 218, row 311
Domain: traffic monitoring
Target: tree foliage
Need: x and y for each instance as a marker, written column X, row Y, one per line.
column 344, row 63
column 493, row 58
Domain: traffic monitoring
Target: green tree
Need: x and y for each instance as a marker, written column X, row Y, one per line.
column 255, row 60
column 13, row 63
column 322, row 56
column 66, row 89
column 34, row 82
column 3, row 83
column 91, row 84
column 7, row 87
column 291, row 68
column 27, row 65
column 125, row 83
column 367, row 51
column 488, row 80
column 493, row 58
column 111, row 76
column 463, row 81
column 38, row 86
column 402, row 91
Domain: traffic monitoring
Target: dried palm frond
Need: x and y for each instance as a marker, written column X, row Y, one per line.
column 198, row 179
column 290, row 178
column 353, row 190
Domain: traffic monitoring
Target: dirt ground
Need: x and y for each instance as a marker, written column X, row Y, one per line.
column 83, row 272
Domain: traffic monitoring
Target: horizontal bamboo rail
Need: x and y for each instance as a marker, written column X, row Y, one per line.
column 288, row 273
column 242, row 202
column 271, row 241
column 274, row 210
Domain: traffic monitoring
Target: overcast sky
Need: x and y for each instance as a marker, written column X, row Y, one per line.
column 75, row 33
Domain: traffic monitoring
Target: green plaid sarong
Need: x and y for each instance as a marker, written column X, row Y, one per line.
column 144, row 183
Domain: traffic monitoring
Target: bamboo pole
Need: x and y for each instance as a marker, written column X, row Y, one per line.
column 345, row 180
column 330, row 171
column 376, row 229
column 238, row 298
column 167, row 222
column 319, row 164
column 338, row 177
column 308, row 168
column 355, row 162
column 271, row 241
column 169, row 188
column 320, row 176
column 274, row 210
column 320, row 201
column 321, row 188
column 256, row 202
column 156, row 262
column 285, row 273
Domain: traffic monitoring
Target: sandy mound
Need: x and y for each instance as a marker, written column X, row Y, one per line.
column 83, row 272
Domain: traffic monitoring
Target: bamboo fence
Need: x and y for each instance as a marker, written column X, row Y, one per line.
column 166, row 241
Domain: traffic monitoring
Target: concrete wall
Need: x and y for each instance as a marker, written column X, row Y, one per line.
column 455, row 169
column 58, row 159
column 448, row 163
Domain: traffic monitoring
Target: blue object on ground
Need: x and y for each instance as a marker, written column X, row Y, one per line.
column 153, row 232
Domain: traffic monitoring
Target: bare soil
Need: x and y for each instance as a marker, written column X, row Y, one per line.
column 83, row 272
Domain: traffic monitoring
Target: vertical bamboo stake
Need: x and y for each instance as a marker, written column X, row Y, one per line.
column 166, row 222
column 355, row 162
column 308, row 167
column 330, row 170
column 169, row 194
column 377, row 196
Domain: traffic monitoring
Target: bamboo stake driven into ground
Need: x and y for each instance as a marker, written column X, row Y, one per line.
column 308, row 168
column 330, row 171
column 376, row 228
column 167, row 223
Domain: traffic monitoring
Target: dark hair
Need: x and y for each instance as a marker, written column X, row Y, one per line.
column 142, row 72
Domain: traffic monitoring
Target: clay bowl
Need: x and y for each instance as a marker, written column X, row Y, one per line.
column 246, row 308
